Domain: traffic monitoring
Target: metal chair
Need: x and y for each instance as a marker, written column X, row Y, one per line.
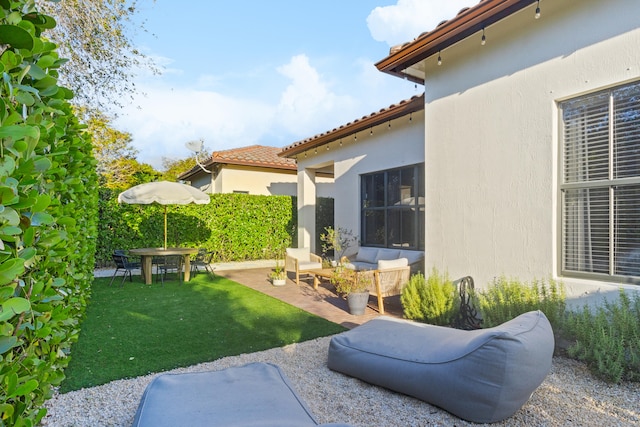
column 123, row 265
column 203, row 259
column 167, row 264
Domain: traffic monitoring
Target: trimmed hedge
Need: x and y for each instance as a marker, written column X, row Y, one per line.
column 48, row 212
column 236, row 227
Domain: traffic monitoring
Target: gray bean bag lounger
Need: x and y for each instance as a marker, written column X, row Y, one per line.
column 483, row 375
column 257, row 394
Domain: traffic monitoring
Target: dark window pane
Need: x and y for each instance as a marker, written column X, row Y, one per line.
column 374, row 228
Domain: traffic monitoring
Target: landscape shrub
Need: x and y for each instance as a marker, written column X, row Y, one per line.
column 48, row 213
column 236, row 227
column 505, row 299
column 607, row 338
column 433, row 300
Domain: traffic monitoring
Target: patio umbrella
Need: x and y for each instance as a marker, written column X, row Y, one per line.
column 164, row 193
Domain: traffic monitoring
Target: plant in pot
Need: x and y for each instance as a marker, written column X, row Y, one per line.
column 278, row 275
column 355, row 285
column 336, row 242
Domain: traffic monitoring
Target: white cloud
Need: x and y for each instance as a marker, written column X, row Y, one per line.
column 407, row 19
column 166, row 118
column 308, row 100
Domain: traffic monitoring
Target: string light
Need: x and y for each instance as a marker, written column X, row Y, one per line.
column 411, row 116
column 315, row 151
column 389, row 124
column 537, row 15
column 371, row 130
column 340, row 142
column 327, row 147
column 483, row 41
column 439, row 59
column 355, row 136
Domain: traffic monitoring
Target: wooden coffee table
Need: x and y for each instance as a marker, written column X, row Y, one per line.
column 325, row 273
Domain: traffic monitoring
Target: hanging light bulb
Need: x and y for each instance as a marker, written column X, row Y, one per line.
column 340, row 142
column 410, row 116
column 483, row 41
column 389, row 124
column 327, row 147
column 439, row 59
column 537, row 15
column 371, row 130
column 355, row 136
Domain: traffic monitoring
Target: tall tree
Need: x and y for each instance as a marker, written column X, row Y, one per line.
column 117, row 166
column 172, row 168
column 95, row 35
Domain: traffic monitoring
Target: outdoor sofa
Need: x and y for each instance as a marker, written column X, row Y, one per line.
column 256, row 394
column 367, row 258
column 483, row 375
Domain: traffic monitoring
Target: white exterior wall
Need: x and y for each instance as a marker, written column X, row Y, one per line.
column 256, row 181
column 492, row 135
column 387, row 148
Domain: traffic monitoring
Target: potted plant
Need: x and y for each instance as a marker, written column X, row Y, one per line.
column 336, row 242
column 278, row 275
column 355, row 285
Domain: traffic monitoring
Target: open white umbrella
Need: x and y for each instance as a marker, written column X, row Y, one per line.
column 164, row 193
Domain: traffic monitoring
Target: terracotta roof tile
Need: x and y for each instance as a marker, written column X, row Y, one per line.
column 253, row 155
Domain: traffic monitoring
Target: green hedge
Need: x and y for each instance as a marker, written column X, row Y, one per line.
column 236, row 227
column 48, row 212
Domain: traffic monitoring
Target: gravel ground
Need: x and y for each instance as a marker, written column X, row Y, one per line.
column 569, row 396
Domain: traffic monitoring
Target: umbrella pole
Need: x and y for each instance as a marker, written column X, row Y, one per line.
column 165, row 226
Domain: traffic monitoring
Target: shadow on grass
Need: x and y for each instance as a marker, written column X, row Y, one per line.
column 139, row 329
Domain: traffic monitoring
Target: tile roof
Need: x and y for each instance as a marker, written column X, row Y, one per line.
column 407, row 106
column 253, row 155
column 467, row 22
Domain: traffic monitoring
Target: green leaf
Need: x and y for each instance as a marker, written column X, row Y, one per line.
column 42, row 202
column 16, row 37
column 14, row 306
column 17, row 131
column 25, row 388
column 41, row 218
column 9, row 271
column 7, row 343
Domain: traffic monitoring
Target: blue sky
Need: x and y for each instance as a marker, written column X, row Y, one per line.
column 245, row 72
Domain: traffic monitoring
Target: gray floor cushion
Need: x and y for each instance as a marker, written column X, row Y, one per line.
column 257, row 394
column 482, row 376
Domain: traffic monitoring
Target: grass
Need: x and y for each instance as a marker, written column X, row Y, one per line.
column 140, row 329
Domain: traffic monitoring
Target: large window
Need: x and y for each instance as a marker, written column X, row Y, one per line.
column 393, row 208
column 600, row 185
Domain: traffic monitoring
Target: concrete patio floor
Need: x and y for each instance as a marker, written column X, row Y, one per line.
column 323, row 302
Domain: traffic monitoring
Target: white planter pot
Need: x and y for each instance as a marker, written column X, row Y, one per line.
column 278, row 282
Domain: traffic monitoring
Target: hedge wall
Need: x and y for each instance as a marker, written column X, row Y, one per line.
column 236, row 227
column 48, row 211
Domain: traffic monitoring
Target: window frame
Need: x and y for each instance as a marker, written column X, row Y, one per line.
column 387, row 209
column 615, row 187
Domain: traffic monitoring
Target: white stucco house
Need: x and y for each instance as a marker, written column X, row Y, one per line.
column 377, row 163
column 530, row 140
column 255, row 169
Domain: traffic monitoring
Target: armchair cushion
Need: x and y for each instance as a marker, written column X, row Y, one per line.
column 301, row 254
column 384, row 264
column 367, row 255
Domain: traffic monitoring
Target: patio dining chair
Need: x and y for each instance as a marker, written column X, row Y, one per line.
column 124, row 266
column 167, row 264
column 203, row 260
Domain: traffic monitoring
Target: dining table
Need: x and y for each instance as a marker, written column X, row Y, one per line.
column 147, row 254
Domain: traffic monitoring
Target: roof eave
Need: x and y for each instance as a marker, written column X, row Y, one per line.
column 465, row 24
column 399, row 110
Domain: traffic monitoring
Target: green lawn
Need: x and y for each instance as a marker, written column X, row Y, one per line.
column 139, row 329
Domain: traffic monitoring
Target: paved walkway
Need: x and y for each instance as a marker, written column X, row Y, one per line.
column 322, row 302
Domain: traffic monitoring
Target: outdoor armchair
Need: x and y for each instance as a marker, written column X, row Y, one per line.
column 300, row 261
column 124, row 265
column 390, row 278
column 167, row 264
column 203, row 260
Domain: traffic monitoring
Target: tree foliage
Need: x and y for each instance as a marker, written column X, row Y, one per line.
column 172, row 168
column 96, row 36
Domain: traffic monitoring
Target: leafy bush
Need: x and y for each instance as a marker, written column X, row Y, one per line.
column 48, row 192
column 433, row 300
column 506, row 299
column 236, row 227
column 607, row 338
